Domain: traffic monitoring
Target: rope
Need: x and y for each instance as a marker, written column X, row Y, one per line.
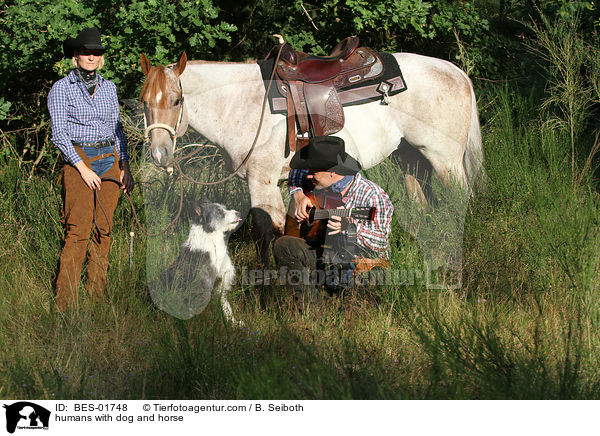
column 137, row 220
column 247, row 158
column 176, row 163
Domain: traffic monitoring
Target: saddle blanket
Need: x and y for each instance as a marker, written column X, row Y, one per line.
column 365, row 92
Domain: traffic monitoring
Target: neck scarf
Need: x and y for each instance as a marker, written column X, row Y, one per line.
column 342, row 184
column 89, row 79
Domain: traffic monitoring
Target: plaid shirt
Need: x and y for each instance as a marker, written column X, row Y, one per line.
column 370, row 235
column 78, row 116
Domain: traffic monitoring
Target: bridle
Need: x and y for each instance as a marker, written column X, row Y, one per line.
column 176, row 161
column 172, row 131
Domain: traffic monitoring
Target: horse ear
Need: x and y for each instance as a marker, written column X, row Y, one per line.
column 145, row 64
column 180, row 67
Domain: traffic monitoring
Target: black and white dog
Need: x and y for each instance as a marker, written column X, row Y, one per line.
column 204, row 260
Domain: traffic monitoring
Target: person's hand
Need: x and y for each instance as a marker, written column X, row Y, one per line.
column 303, row 205
column 127, row 182
column 335, row 224
column 90, row 178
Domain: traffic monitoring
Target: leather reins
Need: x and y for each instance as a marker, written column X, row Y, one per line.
column 107, row 178
column 173, row 133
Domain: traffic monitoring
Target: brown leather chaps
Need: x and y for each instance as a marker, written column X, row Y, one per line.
column 78, row 220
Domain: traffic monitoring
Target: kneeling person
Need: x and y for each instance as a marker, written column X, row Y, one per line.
column 359, row 212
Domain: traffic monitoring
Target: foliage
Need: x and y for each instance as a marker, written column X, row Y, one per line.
column 31, row 49
column 571, row 64
column 191, row 26
column 387, row 25
column 4, row 108
column 31, row 43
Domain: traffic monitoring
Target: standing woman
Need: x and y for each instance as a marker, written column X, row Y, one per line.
column 86, row 127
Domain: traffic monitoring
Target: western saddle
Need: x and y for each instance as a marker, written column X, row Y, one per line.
column 310, row 85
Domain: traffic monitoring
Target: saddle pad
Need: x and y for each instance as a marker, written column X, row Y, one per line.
column 365, row 92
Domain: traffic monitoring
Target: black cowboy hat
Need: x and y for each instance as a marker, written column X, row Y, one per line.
column 325, row 153
column 88, row 38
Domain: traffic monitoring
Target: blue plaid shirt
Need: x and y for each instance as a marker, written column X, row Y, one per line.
column 78, row 116
column 370, row 235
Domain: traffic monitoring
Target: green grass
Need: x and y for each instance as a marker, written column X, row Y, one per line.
column 523, row 324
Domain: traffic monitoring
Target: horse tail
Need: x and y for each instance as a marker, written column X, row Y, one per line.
column 473, row 157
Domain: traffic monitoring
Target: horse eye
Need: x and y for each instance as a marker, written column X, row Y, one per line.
column 176, row 102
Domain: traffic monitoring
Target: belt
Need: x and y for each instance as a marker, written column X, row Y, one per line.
column 99, row 144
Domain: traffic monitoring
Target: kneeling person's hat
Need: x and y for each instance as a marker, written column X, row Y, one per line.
column 325, row 153
column 88, row 39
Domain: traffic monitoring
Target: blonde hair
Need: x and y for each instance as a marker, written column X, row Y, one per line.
column 76, row 64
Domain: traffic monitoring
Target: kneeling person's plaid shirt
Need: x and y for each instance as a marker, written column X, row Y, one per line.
column 78, row 116
column 371, row 235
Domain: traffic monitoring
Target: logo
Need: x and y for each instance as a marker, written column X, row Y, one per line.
column 26, row 415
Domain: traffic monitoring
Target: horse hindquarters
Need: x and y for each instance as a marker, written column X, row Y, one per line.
column 438, row 114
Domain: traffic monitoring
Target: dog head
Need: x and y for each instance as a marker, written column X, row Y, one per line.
column 215, row 217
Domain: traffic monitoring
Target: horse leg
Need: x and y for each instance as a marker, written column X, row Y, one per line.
column 450, row 169
column 268, row 213
column 444, row 252
column 414, row 191
column 417, row 170
column 262, row 233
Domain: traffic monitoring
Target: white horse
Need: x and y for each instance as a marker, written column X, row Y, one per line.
column 222, row 101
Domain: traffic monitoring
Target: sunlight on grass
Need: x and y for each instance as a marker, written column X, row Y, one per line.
column 523, row 323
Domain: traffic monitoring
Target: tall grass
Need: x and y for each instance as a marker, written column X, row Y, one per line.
column 523, row 323
column 572, row 65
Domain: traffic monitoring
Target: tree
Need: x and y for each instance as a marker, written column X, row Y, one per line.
column 31, row 56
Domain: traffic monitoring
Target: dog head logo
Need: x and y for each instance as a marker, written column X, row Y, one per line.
column 26, row 415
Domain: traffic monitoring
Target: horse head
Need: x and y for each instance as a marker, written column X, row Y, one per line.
column 164, row 114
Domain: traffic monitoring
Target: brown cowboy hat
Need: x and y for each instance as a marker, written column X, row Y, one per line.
column 325, row 153
column 88, row 38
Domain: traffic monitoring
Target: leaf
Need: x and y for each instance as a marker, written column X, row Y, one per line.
column 4, row 108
